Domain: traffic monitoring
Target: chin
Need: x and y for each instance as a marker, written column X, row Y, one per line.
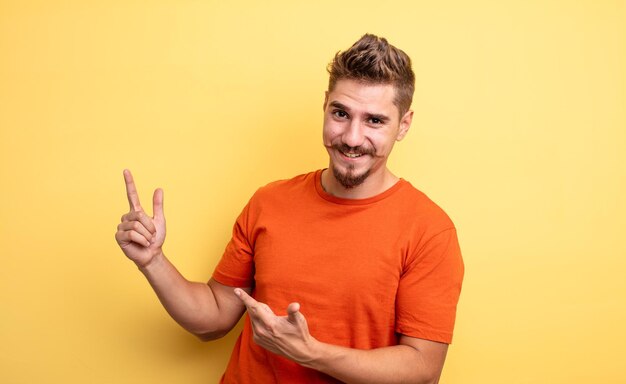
column 348, row 179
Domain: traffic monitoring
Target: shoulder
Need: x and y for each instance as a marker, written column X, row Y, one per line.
column 287, row 184
column 420, row 208
column 282, row 191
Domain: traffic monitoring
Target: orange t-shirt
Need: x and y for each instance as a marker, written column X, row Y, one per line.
column 364, row 271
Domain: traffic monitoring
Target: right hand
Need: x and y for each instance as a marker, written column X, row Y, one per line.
column 140, row 236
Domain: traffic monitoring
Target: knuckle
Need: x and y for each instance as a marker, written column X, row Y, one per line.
column 121, row 237
column 261, row 332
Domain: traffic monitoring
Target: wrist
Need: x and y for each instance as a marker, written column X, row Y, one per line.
column 317, row 354
column 153, row 263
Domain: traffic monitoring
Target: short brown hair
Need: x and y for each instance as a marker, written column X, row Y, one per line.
column 373, row 60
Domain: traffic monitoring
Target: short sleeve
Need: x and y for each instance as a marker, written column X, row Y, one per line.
column 429, row 289
column 236, row 267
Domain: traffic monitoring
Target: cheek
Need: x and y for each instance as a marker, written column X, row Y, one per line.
column 383, row 144
column 388, row 147
column 330, row 133
column 326, row 136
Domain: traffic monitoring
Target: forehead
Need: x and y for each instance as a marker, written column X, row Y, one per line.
column 360, row 96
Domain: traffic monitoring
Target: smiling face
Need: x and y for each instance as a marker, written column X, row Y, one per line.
column 361, row 125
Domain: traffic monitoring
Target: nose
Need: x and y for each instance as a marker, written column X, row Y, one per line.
column 353, row 136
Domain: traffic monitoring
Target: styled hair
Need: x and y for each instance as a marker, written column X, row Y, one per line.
column 373, row 60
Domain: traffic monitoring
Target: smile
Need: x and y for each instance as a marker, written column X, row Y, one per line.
column 351, row 155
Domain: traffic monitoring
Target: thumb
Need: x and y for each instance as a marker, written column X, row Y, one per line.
column 157, row 204
column 293, row 313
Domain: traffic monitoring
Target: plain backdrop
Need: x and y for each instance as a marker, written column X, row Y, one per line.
column 519, row 134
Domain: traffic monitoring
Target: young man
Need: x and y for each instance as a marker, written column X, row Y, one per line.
column 347, row 274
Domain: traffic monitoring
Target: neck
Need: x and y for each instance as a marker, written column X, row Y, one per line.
column 372, row 186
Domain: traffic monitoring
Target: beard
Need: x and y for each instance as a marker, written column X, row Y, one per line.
column 349, row 179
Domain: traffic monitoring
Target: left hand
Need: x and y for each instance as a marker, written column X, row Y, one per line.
column 284, row 335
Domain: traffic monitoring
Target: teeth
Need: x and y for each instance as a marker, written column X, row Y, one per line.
column 352, row 155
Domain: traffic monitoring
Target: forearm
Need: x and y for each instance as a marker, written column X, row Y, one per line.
column 192, row 305
column 394, row 364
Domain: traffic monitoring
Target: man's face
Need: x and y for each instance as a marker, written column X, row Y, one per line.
column 361, row 125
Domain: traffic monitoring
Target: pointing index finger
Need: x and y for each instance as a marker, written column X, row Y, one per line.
column 131, row 191
column 245, row 298
column 259, row 312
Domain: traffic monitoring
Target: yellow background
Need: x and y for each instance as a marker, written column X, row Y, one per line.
column 519, row 133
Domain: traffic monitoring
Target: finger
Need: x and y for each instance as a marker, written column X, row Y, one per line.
column 157, row 204
column 293, row 313
column 255, row 307
column 135, row 226
column 247, row 300
column 131, row 191
column 131, row 237
column 141, row 217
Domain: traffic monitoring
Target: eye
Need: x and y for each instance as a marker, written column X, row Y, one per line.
column 376, row 121
column 340, row 113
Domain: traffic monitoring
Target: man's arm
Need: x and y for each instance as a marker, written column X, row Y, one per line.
column 207, row 310
column 412, row 361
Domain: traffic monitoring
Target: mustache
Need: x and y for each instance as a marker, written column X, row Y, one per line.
column 360, row 150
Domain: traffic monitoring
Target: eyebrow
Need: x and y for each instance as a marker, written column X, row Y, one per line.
column 378, row 116
column 337, row 104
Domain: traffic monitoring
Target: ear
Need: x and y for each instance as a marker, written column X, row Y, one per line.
column 405, row 124
column 325, row 100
